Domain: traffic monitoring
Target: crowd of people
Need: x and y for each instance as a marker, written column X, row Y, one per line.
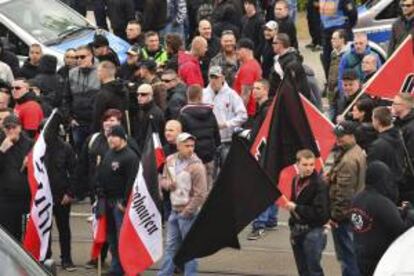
column 196, row 73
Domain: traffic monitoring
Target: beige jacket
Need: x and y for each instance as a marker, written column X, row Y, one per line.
column 188, row 188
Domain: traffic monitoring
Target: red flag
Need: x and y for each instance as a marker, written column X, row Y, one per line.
column 396, row 75
column 310, row 123
column 159, row 152
column 36, row 240
column 98, row 228
column 140, row 238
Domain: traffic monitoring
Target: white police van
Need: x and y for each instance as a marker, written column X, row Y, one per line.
column 375, row 17
column 50, row 23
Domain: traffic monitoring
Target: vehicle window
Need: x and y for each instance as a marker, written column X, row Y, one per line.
column 16, row 45
column 390, row 12
column 44, row 19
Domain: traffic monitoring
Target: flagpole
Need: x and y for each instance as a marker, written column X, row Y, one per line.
column 348, row 108
column 128, row 122
column 99, row 265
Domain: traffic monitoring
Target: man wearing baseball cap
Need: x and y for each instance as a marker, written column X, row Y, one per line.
column 128, row 68
column 185, row 177
column 270, row 30
column 345, row 171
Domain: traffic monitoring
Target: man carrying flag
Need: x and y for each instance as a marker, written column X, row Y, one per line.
column 115, row 178
column 38, row 232
column 185, row 177
column 140, row 238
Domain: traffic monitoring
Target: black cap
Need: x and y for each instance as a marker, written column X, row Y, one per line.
column 118, row 131
column 245, row 43
column 99, row 41
column 345, row 128
column 11, row 121
column 150, row 64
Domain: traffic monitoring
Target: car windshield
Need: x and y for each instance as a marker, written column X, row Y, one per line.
column 46, row 20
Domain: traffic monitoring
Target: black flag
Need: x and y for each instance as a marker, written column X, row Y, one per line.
column 241, row 192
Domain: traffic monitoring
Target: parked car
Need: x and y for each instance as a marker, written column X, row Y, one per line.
column 14, row 260
column 50, row 23
column 375, row 17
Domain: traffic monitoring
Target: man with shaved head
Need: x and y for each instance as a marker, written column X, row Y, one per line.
column 189, row 68
column 206, row 31
column 369, row 66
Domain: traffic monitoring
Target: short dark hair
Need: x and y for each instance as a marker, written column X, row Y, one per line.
column 134, row 21
column 169, row 71
column 85, row 47
column 305, row 153
column 350, row 75
column 112, row 112
column 194, row 92
column 264, row 82
column 151, row 33
column 366, row 106
column 283, row 39
column 252, row 2
column 174, row 41
column 383, row 115
column 341, row 33
column 284, row 2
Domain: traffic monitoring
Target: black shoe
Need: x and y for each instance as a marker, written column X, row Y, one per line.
column 91, row 264
column 68, row 266
column 317, row 48
column 256, row 234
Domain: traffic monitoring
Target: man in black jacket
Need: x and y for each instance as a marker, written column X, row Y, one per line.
column 119, row 13
column 252, row 25
column 111, row 95
column 148, row 113
column 116, row 176
column 60, row 161
column 309, row 213
column 388, row 146
column 402, row 109
column 206, row 31
column 14, row 185
column 49, row 83
column 403, row 26
column 286, row 24
column 102, row 51
column 199, row 120
column 267, row 220
column 30, row 67
column 176, row 94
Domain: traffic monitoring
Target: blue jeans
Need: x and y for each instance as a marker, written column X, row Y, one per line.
column 267, row 218
column 177, row 229
column 293, row 9
column 114, row 221
column 307, row 250
column 344, row 248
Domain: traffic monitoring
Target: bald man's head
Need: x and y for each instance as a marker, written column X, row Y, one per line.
column 172, row 129
column 199, row 46
column 205, row 29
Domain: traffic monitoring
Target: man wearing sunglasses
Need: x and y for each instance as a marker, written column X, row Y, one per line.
column 27, row 107
column 83, row 85
column 403, row 26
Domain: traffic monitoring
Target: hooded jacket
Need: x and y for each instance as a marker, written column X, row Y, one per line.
column 189, row 69
column 176, row 99
column 111, row 95
column 50, row 84
column 388, row 148
column 228, row 107
column 375, row 218
column 83, row 85
column 199, row 120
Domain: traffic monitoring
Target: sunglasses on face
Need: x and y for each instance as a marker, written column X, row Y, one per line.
column 167, row 80
column 142, row 94
column 16, row 87
column 81, row 57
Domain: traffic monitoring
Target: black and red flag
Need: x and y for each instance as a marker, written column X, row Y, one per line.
column 291, row 124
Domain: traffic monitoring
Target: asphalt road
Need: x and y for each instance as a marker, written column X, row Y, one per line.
column 270, row 255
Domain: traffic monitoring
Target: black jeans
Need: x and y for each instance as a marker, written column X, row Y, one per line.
column 62, row 219
column 13, row 216
column 314, row 23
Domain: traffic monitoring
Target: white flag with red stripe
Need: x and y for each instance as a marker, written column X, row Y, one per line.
column 36, row 240
column 140, row 240
column 98, row 228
